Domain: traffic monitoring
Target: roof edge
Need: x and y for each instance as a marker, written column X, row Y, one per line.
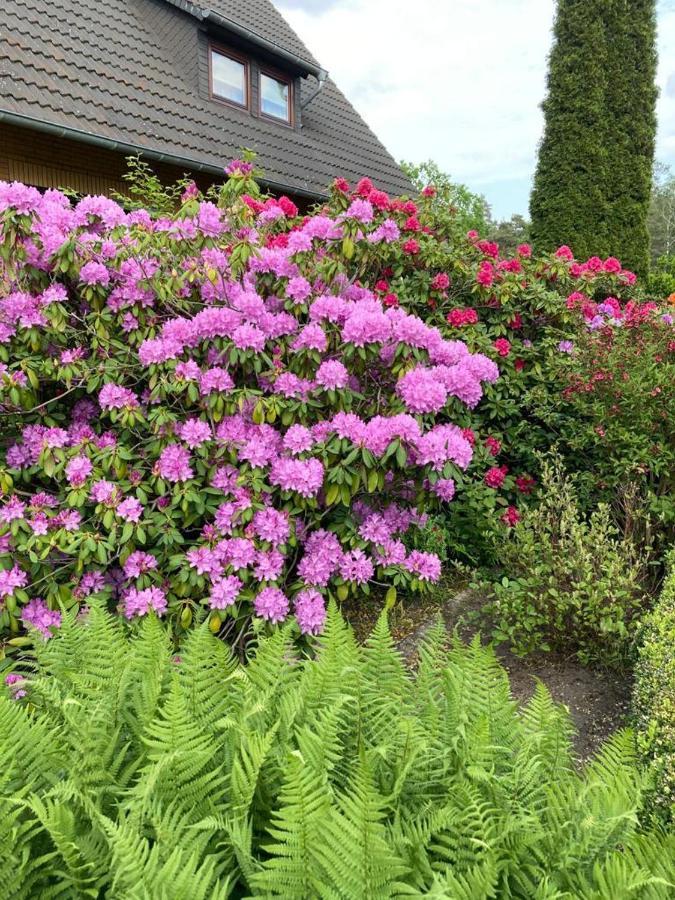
column 204, row 14
column 88, row 137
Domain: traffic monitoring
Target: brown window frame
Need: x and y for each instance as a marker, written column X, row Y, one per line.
column 237, row 57
column 276, row 75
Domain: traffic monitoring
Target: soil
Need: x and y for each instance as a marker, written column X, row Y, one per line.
column 598, row 700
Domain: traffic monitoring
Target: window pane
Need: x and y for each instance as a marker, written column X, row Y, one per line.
column 229, row 78
column 274, row 97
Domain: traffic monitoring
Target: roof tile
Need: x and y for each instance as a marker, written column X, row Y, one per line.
column 128, row 71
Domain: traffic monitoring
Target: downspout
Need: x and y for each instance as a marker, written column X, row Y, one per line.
column 315, row 92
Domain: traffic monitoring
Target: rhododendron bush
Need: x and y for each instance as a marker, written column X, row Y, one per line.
column 616, row 382
column 529, row 314
column 215, row 409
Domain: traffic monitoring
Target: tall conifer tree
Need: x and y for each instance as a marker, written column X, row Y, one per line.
column 568, row 204
column 593, row 178
column 631, row 128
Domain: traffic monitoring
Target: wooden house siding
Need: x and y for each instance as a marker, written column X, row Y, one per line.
column 48, row 161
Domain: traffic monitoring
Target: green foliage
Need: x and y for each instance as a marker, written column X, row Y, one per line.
column 592, row 184
column 616, row 421
column 572, row 583
column 661, row 281
column 129, row 772
column 145, row 190
column 452, row 202
column 654, row 698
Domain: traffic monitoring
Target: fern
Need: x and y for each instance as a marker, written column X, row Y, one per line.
column 133, row 772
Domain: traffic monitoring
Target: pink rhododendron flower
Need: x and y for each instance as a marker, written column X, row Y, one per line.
column 78, row 470
column 38, row 614
column 310, row 611
column 194, row 432
column 113, row 396
column 130, row 510
column 426, row 566
column 11, row 579
column 224, row 592
column 174, row 464
column 271, row 604
column 139, row 603
column 139, row 562
column 94, row 273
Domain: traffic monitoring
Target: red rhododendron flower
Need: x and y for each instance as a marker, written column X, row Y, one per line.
column 494, row 445
column 502, row 346
column 519, row 365
column 469, row 435
column 364, row 187
column 489, row 248
column 511, row 517
column 390, row 300
column 458, row 317
column 495, row 476
column 524, row 250
column 342, row 185
column 411, row 247
column 252, row 203
column 485, row 274
column 516, row 322
column 379, row 199
column 287, row 205
column 525, row 484
column 441, row 282
column 429, row 191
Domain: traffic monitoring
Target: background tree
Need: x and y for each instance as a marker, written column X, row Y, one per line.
column 471, row 210
column 593, row 178
column 510, row 233
column 661, row 220
column 568, row 203
column 630, row 104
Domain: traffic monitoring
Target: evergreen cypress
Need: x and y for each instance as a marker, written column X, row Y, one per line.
column 593, row 178
column 631, row 128
column 568, row 204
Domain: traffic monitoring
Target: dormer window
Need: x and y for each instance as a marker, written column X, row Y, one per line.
column 229, row 77
column 275, row 97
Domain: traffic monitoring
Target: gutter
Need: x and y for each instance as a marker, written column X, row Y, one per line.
column 87, row 137
column 208, row 15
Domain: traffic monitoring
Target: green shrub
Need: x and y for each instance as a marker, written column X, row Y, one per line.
column 130, row 772
column 654, row 697
column 571, row 582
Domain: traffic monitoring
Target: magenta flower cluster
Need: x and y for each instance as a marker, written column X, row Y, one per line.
column 235, row 422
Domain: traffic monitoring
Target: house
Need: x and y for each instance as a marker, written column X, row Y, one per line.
column 186, row 85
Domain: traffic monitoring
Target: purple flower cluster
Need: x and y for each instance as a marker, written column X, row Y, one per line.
column 275, row 381
column 38, row 615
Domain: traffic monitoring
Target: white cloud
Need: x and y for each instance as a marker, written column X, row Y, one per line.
column 458, row 81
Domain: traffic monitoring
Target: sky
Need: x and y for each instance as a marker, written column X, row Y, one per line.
column 457, row 81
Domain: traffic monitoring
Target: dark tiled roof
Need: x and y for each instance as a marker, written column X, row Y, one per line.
column 131, row 71
column 262, row 18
